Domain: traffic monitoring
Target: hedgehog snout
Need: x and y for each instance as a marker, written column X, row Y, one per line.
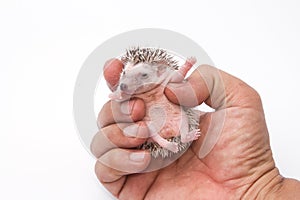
column 123, row 86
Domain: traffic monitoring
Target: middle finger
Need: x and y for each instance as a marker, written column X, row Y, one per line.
column 128, row 111
column 124, row 135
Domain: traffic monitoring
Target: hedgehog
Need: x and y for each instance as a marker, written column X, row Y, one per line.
column 146, row 73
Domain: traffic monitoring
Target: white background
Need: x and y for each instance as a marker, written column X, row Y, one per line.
column 44, row 43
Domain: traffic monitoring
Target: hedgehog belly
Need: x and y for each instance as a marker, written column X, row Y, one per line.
column 165, row 116
column 166, row 119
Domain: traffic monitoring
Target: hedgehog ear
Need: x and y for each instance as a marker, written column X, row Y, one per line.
column 161, row 69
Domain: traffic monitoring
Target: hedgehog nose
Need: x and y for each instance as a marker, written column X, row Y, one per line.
column 123, row 86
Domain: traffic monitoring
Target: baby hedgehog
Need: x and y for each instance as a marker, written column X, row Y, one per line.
column 146, row 73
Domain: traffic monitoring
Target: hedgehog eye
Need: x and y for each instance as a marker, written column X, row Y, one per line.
column 144, row 75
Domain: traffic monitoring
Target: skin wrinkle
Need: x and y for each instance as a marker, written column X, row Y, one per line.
column 119, row 181
column 149, row 188
column 127, row 191
column 274, row 184
column 121, row 189
column 240, row 156
column 258, row 190
column 200, row 163
column 183, row 184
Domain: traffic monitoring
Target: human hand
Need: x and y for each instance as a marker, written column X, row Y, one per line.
column 231, row 160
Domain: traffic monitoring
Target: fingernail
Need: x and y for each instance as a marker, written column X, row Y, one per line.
column 131, row 131
column 137, row 157
column 126, row 107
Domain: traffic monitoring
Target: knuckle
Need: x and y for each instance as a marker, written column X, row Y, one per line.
column 255, row 95
column 102, row 142
column 103, row 118
column 105, row 174
column 96, row 149
column 252, row 95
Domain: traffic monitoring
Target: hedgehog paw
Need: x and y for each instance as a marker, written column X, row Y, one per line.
column 191, row 60
column 190, row 136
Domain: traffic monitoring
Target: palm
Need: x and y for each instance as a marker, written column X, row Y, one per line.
column 224, row 173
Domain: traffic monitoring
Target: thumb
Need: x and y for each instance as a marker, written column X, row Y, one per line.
column 216, row 88
column 204, row 85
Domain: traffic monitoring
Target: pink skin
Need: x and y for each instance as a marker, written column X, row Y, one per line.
column 164, row 119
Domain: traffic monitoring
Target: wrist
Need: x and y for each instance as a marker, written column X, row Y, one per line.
column 287, row 189
column 273, row 186
column 265, row 186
